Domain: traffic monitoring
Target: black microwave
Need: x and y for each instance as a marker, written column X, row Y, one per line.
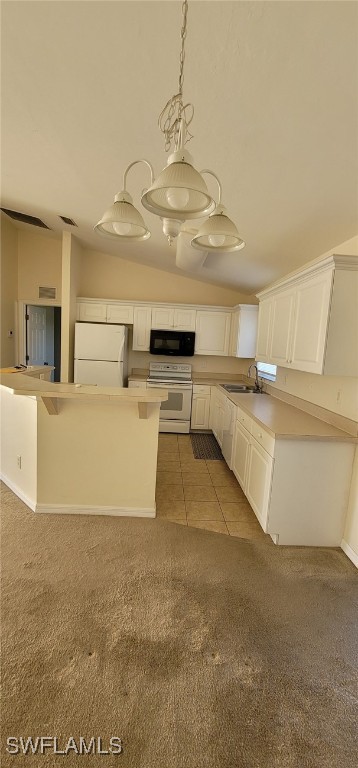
column 173, row 343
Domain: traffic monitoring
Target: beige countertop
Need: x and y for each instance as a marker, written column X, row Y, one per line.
column 285, row 421
column 24, row 384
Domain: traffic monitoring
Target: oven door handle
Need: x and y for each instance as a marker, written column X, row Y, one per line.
column 169, row 386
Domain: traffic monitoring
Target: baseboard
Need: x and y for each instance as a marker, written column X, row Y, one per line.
column 350, row 552
column 13, row 487
column 72, row 509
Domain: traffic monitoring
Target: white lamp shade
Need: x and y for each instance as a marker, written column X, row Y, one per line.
column 179, row 192
column 122, row 220
column 218, row 233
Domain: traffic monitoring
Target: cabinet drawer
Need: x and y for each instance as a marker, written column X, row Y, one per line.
column 263, row 437
column 201, row 389
column 137, row 384
column 244, row 419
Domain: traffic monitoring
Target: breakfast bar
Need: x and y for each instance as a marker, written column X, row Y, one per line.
column 79, row 449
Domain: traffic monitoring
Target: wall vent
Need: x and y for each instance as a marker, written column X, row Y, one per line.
column 25, row 218
column 47, row 293
column 68, row 221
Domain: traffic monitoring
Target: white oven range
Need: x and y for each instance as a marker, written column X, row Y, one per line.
column 175, row 412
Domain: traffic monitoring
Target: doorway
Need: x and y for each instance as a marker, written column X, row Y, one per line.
column 43, row 337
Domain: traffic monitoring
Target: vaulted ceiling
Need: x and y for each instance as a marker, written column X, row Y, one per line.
column 275, row 91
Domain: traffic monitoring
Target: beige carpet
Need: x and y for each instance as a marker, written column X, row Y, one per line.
column 196, row 649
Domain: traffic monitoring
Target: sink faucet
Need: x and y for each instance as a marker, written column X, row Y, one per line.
column 258, row 386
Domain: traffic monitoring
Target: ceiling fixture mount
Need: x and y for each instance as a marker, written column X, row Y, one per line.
column 179, row 193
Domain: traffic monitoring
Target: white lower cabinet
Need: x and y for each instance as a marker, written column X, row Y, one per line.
column 141, row 328
column 137, row 384
column 298, row 488
column 258, row 481
column 217, row 413
column 200, row 411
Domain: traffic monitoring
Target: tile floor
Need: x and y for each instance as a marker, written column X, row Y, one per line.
column 202, row 494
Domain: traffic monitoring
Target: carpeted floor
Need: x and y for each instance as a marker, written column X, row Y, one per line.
column 196, row 649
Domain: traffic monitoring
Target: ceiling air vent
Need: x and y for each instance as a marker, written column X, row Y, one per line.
column 47, row 293
column 68, row 221
column 25, row 218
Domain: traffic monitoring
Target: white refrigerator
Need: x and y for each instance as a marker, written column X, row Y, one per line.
column 101, row 354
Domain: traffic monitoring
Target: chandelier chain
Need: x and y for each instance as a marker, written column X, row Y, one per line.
column 174, row 110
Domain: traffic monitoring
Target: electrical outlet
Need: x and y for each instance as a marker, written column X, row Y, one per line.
column 203, row 364
column 19, row 462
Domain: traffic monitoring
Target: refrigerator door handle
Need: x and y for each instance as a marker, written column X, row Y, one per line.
column 121, row 349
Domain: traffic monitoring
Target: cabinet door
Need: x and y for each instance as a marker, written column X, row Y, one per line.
column 258, row 481
column 264, row 331
column 93, row 313
column 281, row 328
column 311, row 323
column 213, row 400
column 240, row 454
column 220, row 422
column 141, row 328
column 212, row 332
column 234, row 334
column 120, row 313
column 200, row 412
column 137, row 385
column 162, row 318
column 184, row 319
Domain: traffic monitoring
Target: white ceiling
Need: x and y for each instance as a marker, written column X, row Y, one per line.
column 275, row 91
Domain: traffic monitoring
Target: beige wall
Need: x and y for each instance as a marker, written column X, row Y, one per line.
column 109, row 277
column 200, row 363
column 40, row 263
column 71, row 264
column 335, row 393
column 9, row 273
column 351, row 529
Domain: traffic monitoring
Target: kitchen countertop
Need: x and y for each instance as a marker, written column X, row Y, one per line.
column 25, row 384
column 277, row 417
column 285, row 421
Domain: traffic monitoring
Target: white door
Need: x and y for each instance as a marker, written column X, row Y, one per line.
column 92, row 313
column 212, row 332
column 102, row 373
column 264, row 331
column 141, row 328
column 184, row 319
column 162, row 318
column 240, row 454
column 282, row 326
column 200, row 412
column 99, row 342
column 258, row 482
column 311, row 321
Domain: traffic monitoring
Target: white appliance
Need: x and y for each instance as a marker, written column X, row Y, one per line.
column 101, row 354
column 175, row 412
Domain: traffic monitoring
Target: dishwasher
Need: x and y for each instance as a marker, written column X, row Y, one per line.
column 228, row 431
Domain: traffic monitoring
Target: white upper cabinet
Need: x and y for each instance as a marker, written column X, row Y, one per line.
column 281, row 328
column 309, row 321
column 184, row 319
column 120, row 313
column 243, row 334
column 264, row 331
column 212, row 332
column 141, row 328
column 92, row 313
column 176, row 318
column 162, row 318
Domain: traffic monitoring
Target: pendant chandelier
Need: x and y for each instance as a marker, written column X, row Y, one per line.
column 180, row 192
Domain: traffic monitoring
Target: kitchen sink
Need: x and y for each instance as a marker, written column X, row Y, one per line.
column 238, row 388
